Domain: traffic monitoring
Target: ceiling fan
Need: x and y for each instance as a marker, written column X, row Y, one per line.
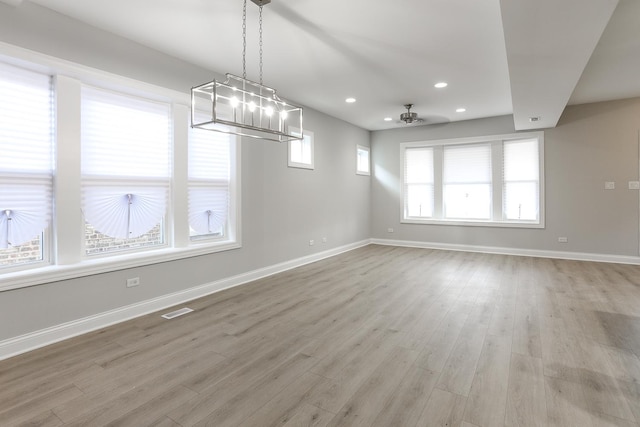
column 409, row 117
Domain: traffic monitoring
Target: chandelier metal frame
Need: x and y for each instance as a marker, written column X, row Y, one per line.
column 244, row 107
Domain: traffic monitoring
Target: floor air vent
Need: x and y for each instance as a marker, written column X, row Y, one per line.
column 177, row 313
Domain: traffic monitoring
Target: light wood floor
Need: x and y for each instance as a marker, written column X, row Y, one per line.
column 379, row 336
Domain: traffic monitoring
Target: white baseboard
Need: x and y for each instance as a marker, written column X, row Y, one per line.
column 578, row 256
column 33, row 340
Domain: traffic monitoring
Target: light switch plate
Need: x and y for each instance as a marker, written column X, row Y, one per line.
column 634, row 185
column 609, row 185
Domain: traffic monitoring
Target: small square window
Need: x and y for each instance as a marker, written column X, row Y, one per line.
column 363, row 162
column 301, row 150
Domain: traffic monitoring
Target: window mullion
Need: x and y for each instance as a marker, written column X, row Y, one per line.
column 68, row 222
column 497, row 177
column 438, row 159
column 180, row 200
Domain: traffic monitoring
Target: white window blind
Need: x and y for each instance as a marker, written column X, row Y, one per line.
column 209, row 182
column 126, row 165
column 418, row 178
column 26, row 145
column 467, row 181
column 521, row 180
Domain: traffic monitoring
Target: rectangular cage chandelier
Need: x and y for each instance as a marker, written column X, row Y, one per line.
column 245, row 107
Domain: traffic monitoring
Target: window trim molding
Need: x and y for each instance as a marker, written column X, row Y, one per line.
column 298, row 165
column 368, row 150
column 108, row 264
column 65, row 264
column 539, row 135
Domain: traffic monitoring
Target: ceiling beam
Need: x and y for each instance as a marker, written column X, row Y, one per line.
column 548, row 44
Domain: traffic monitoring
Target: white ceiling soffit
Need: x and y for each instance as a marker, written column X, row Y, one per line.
column 548, row 44
column 614, row 68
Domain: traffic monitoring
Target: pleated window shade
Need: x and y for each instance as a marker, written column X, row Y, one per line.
column 521, row 180
column 418, row 178
column 26, row 162
column 209, row 177
column 467, row 182
column 126, row 167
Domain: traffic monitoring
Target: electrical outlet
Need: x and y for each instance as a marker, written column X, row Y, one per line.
column 562, row 240
column 634, row 185
column 134, row 281
column 311, row 242
column 389, row 230
column 609, row 185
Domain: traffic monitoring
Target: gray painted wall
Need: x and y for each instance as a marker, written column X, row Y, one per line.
column 282, row 208
column 592, row 143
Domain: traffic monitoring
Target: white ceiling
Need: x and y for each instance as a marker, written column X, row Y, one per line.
column 499, row 57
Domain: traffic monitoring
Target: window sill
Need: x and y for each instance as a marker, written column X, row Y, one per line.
column 300, row 165
column 53, row 273
column 479, row 223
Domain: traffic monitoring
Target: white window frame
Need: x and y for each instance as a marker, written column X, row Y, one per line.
column 308, row 136
column 497, row 181
column 64, row 246
column 363, row 148
column 45, row 235
column 111, row 180
column 229, row 227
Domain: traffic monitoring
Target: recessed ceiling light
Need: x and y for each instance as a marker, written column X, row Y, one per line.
column 440, row 85
column 387, row 119
column 460, row 110
column 350, row 100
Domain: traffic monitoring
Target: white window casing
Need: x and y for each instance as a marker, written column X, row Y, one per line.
column 418, row 182
column 363, row 160
column 126, row 168
column 72, row 177
column 301, row 151
column 482, row 181
column 467, row 181
column 521, row 180
column 209, row 182
column 26, row 162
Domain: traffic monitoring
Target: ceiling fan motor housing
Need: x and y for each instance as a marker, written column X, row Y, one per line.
column 408, row 117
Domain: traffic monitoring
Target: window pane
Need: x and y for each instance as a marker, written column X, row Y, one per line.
column 209, row 183
column 521, row 180
column 301, row 150
column 124, row 135
column 208, row 209
column 126, row 169
column 98, row 243
column 419, row 200
column 26, row 164
column 418, row 165
column 209, row 155
column 521, row 201
column 467, row 201
column 467, row 164
column 22, row 254
column 362, row 162
column 521, row 160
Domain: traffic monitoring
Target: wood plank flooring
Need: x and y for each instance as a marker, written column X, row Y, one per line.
column 379, row 336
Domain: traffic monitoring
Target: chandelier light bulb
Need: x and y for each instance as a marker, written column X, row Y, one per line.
column 252, row 106
column 234, row 102
column 268, row 111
